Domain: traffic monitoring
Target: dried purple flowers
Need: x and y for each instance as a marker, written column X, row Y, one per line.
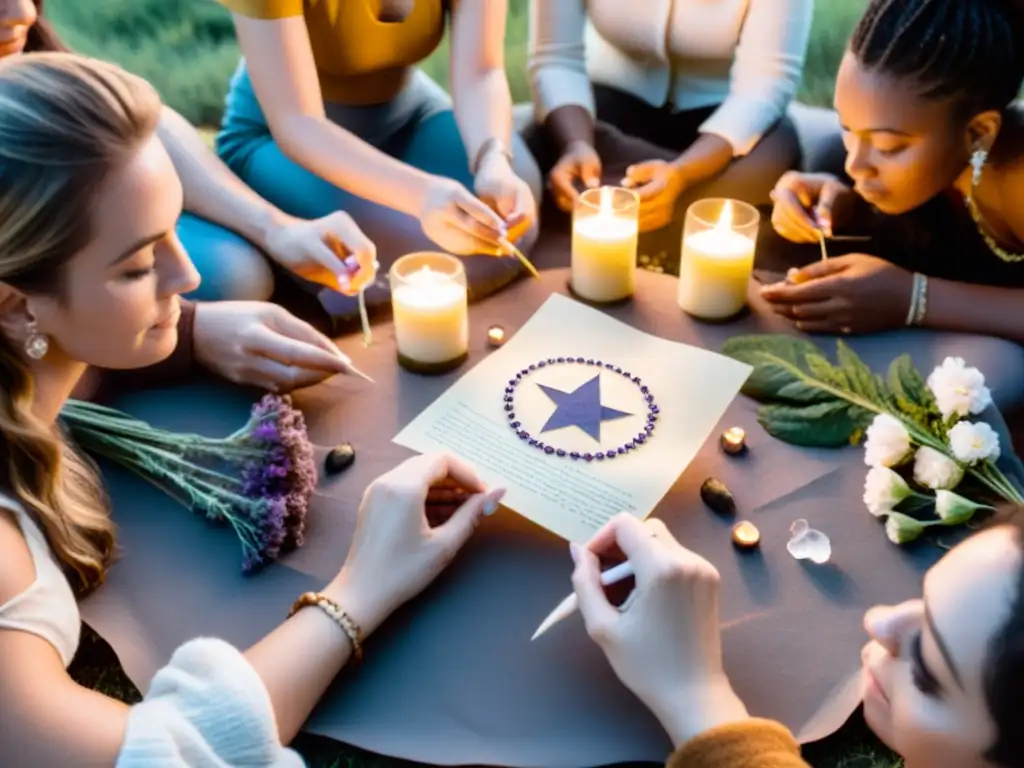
column 258, row 480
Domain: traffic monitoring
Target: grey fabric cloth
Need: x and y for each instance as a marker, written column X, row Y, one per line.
column 453, row 678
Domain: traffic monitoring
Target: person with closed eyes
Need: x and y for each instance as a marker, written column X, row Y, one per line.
column 942, row 676
column 934, row 138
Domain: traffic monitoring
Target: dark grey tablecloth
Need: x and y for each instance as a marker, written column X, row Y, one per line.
column 453, row 678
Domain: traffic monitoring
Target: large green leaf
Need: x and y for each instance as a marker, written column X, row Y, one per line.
column 773, row 358
column 822, row 425
column 862, row 381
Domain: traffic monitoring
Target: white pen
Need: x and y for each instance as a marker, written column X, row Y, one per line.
column 567, row 607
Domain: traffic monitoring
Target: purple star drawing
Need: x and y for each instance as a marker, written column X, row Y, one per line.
column 580, row 408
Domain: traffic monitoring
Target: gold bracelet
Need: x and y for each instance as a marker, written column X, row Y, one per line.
column 338, row 616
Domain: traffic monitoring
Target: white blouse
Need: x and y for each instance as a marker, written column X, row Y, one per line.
column 207, row 708
column 745, row 55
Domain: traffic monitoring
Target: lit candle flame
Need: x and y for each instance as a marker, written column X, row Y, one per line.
column 725, row 220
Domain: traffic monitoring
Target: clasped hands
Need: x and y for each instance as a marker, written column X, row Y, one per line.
column 857, row 293
column 658, row 183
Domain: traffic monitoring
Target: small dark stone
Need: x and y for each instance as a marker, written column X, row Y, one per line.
column 339, row 458
column 574, row 455
column 714, row 493
column 599, row 456
column 515, row 425
column 561, row 359
column 588, row 457
column 610, row 454
column 548, row 450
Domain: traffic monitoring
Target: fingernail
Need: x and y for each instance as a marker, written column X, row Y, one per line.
column 352, row 262
column 493, row 497
column 574, row 551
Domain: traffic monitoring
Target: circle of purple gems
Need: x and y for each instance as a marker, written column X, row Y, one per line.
column 653, row 411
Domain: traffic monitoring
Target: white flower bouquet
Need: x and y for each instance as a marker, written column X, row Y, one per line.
column 921, row 438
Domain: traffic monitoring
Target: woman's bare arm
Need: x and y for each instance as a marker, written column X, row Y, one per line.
column 480, row 92
column 47, row 719
column 284, row 77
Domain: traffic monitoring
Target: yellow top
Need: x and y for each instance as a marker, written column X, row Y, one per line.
column 359, row 58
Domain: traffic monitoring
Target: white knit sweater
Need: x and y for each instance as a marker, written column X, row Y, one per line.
column 207, row 708
column 745, row 55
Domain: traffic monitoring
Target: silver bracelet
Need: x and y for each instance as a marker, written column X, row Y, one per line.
column 918, row 300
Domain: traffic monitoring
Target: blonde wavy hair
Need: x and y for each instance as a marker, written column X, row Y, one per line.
column 65, row 123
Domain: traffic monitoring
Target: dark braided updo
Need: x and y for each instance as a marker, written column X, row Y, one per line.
column 966, row 50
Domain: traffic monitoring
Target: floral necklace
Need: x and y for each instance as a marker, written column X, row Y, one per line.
column 983, row 230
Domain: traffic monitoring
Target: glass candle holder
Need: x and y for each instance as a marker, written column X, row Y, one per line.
column 431, row 312
column 605, row 226
column 718, row 258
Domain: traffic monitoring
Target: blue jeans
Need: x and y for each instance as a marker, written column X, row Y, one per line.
column 231, row 268
column 417, row 127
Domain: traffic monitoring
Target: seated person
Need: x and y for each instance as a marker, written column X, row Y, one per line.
column 701, row 115
column 935, row 151
column 329, row 111
column 90, row 275
column 225, row 226
column 943, row 676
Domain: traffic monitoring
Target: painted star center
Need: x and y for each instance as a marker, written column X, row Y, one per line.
column 580, row 408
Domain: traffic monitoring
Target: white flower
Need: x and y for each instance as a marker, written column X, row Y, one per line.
column 973, row 442
column 953, row 509
column 888, row 442
column 959, row 390
column 883, row 490
column 902, row 528
column 934, row 469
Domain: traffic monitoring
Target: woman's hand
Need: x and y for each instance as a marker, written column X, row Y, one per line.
column 579, row 164
column 507, row 195
column 658, row 184
column 395, row 552
column 263, row 345
column 848, row 294
column 331, row 251
column 459, row 222
column 664, row 642
column 807, row 204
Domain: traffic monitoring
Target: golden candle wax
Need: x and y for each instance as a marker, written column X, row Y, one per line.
column 605, row 228
column 431, row 314
column 734, row 441
column 717, row 259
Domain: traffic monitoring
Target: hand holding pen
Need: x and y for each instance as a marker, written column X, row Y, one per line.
column 807, row 206
column 663, row 643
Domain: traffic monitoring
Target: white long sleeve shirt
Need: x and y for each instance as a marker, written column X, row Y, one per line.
column 745, row 55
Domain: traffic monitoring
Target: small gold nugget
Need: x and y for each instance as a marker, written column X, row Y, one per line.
column 745, row 535
column 734, row 441
column 495, row 336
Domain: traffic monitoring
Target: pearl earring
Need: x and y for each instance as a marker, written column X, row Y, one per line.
column 36, row 344
column 978, row 160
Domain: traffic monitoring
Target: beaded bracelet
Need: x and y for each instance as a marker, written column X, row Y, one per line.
column 653, row 411
column 337, row 615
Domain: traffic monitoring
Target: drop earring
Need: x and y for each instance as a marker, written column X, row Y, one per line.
column 978, row 160
column 36, row 343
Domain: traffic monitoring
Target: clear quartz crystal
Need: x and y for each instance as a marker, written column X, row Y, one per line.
column 808, row 544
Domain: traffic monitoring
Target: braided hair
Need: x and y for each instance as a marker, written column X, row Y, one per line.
column 970, row 51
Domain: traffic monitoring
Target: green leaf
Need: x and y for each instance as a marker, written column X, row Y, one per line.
column 907, row 386
column 773, row 358
column 789, row 348
column 825, row 425
column 861, row 380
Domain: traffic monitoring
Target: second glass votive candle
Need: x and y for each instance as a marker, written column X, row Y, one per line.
column 718, row 258
column 431, row 312
column 605, row 227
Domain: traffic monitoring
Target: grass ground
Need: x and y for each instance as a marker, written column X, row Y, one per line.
column 187, row 49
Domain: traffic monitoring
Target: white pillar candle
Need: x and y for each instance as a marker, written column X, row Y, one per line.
column 431, row 314
column 717, row 261
column 604, row 237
